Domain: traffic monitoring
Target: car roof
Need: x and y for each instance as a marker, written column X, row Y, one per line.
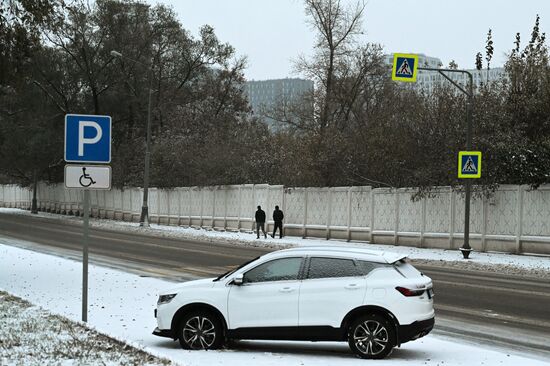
column 347, row 251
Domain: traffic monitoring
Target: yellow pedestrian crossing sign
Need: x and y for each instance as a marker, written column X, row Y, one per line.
column 405, row 67
column 469, row 164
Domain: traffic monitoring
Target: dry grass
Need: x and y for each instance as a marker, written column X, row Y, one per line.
column 31, row 336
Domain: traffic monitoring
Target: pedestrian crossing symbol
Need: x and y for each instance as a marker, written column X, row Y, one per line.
column 405, row 67
column 469, row 164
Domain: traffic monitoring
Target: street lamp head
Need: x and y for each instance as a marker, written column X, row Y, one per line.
column 116, row 54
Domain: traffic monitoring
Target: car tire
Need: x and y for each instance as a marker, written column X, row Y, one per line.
column 200, row 330
column 371, row 336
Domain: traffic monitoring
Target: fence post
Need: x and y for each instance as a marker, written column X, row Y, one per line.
column 395, row 236
column 452, row 217
column 179, row 205
column 225, row 208
column 371, row 214
column 423, row 223
column 202, row 204
column 329, row 213
column 304, row 231
column 188, row 200
column 284, row 206
column 240, row 206
column 519, row 224
column 122, row 204
column 254, row 205
column 213, row 206
column 349, row 214
column 484, row 209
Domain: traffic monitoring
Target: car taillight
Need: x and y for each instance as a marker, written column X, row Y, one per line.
column 408, row 292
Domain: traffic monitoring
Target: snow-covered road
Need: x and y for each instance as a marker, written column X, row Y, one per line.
column 122, row 304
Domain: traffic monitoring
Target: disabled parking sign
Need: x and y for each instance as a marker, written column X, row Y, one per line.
column 405, row 67
column 88, row 176
column 469, row 164
column 87, row 138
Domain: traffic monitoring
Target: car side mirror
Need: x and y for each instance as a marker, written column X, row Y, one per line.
column 238, row 279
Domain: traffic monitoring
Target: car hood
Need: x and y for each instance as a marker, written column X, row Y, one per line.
column 203, row 283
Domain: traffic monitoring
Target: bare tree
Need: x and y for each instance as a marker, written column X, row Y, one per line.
column 336, row 26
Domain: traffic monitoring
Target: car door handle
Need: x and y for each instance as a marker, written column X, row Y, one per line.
column 352, row 286
column 286, row 289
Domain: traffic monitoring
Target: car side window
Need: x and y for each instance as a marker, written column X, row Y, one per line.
column 332, row 267
column 284, row 269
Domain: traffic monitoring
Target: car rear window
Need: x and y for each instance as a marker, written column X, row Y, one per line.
column 367, row 267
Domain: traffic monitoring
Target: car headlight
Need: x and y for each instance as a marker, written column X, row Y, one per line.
column 165, row 299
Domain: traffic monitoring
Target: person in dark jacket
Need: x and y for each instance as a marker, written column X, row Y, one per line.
column 278, row 218
column 260, row 222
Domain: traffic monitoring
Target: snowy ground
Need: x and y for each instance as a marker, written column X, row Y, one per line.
column 31, row 336
column 536, row 266
column 122, row 305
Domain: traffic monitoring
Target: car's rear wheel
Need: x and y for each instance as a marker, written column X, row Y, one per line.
column 371, row 336
column 200, row 330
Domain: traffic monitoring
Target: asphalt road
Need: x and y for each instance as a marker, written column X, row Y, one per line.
column 506, row 311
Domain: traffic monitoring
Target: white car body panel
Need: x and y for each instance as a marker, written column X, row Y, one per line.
column 346, row 293
column 268, row 304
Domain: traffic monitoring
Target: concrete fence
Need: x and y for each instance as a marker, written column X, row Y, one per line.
column 516, row 219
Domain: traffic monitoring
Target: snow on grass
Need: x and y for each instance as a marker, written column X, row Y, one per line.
column 530, row 265
column 122, row 304
column 30, row 336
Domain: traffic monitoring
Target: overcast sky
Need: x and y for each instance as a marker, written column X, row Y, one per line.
column 271, row 33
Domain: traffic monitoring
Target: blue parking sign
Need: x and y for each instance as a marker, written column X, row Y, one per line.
column 87, row 138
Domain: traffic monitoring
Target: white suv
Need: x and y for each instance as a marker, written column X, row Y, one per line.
column 373, row 300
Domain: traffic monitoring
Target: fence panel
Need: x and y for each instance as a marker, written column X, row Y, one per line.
column 437, row 212
column 295, row 205
column 410, row 212
column 384, row 203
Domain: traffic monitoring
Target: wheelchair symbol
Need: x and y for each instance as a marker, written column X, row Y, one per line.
column 85, row 177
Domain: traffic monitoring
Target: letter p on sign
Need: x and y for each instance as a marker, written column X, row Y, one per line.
column 82, row 140
column 87, row 138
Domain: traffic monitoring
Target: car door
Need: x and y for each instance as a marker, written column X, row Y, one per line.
column 268, row 296
column 330, row 289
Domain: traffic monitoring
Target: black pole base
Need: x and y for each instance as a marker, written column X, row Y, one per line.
column 144, row 218
column 465, row 252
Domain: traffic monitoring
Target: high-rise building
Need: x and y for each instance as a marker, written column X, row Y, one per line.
column 263, row 95
column 430, row 80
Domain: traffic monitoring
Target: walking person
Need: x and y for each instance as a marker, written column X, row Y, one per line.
column 278, row 218
column 260, row 222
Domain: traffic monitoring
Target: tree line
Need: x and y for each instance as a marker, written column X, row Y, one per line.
column 357, row 127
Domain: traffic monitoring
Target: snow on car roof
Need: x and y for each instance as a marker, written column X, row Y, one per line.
column 378, row 256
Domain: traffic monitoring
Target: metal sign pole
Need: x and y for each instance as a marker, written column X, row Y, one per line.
column 465, row 249
column 86, row 207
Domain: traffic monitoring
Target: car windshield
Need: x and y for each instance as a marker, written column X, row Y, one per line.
column 234, row 269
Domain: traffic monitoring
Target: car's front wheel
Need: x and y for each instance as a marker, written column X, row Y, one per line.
column 200, row 330
column 371, row 336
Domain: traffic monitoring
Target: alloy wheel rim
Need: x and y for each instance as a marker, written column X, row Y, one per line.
column 199, row 333
column 370, row 337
